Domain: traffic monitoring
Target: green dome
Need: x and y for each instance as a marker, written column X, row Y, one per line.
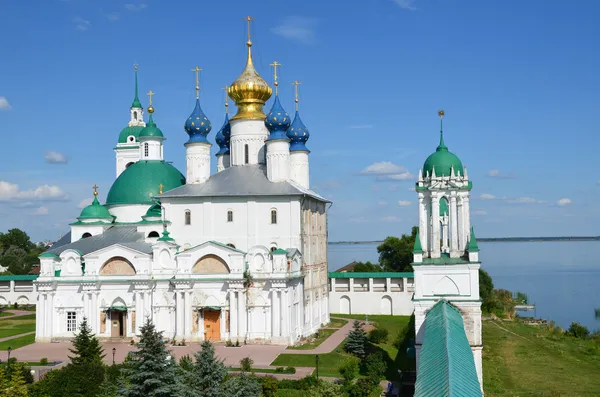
column 153, row 212
column 442, row 160
column 95, row 211
column 151, row 130
column 139, row 182
column 127, row 131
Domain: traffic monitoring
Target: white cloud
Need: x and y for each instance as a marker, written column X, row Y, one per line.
column 11, row 191
column 53, row 157
column 41, row 211
column 85, row 202
column 525, row 200
column 112, row 16
column 497, row 174
column 81, row 24
column 479, row 212
column 297, row 28
column 361, row 126
column 564, row 201
column 135, row 7
column 487, row 196
column 388, row 171
column 390, row 219
column 382, row 203
column 404, row 203
column 358, row 220
column 406, row 4
column 4, row 105
column 405, row 176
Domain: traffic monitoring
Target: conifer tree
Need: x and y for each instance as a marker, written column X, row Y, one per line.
column 151, row 372
column 242, row 386
column 18, row 387
column 86, row 347
column 205, row 377
column 3, row 383
column 356, row 342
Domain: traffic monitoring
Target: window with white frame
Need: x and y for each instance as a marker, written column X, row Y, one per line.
column 71, row 321
column 230, row 216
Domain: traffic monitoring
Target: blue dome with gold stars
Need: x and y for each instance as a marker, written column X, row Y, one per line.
column 277, row 121
column 298, row 134
column 197, row 125
column 223, row 137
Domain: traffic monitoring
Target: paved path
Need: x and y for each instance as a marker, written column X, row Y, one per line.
column 16, row 313
column 329, row 344
column 16, row 336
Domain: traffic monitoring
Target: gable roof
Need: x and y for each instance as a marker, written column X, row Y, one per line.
column 446, row 365
column 241, row 181
column 127, row 236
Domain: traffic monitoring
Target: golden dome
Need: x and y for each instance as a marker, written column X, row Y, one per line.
column 250, row 92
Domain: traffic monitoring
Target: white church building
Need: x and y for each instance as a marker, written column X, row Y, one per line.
column 238, row 255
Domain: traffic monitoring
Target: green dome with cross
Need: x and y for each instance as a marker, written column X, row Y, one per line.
column 442, row 160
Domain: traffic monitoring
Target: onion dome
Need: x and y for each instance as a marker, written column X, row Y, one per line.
column 154, row 211
column 250, row 92
column 277, row 121
column 151, row 130
column 95, row 210
column 298, row 134
column 223, row 137
column 197, row 125
column 442, row 159
column 140, row 182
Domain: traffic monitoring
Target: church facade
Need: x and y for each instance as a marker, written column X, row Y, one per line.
column 239, row 255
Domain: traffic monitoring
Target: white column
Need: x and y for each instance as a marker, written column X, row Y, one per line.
column 460, row 225
column 188, row 314
column 423, row 224
column 242, row 314
column 197, row 162
column 178, row 314
column 40, row 312
column 454, row 227
column 233, row 315
column 50, row 311
column 435, row 226
column 467, row 216
column 95, row 317
column 86, row 307
column 445, row 241
column 275, row 313
column 285, row 330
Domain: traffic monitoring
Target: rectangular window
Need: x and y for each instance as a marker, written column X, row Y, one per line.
column 273, row 217
column 71, row 321
column 188, row 217
column 229, row 216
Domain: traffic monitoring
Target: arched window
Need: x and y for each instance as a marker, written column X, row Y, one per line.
column 231, row 245
column 153, row 234
column 128, row 164
column 188, row 217
column 135, row 115
column 246, row 154
column 273, row 248
column 273, row 217
column 230, row 216
column 86, row 235
column 146, row 150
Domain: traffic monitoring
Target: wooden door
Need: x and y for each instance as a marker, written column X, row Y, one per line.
column 116, row 324
column 212, row 324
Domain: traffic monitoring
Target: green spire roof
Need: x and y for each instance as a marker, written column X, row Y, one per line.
column 136, row 101
column 417, row 249
column 95, row 211
column 151, row 130
column 473, row 247
column 443, row 160
column 165, row 236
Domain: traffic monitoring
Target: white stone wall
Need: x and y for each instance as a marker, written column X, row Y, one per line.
column 299, row 170
column 197, row 157
column 252, row 133
column 278, row 160
column 20, row 291
column 223, row 161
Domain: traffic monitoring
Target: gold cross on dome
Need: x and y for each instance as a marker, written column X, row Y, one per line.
column 248, row 19
column 160, row 188
column 226, row 89
column 275, row 82
column 197, row 69
column 150, row 93
column 296, row 84
column 95, row 187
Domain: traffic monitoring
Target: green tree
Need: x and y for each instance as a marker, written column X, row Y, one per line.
column 18, row 386
column 375, row 366
column 356, row 342
column 349, row 369
column 3, row 384
column 150, row 372
column 205, row 376
column 86, row 347
column 242, row 385
column 14, row 259
column 15, row 238
column 367, row 267
column 486, row 287
column 324, row 388
column 395, row 254
column 270, row 385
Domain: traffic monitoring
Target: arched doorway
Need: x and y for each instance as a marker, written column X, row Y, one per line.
column 86, row 235
column 153, row 234
column 117, row 317
column 386, row 305
column 345, row 305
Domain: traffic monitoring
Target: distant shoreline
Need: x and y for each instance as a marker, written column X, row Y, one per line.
column 494, row 240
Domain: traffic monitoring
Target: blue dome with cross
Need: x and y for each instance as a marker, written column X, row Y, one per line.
column 298, row 134
column 223, row 137
column 197, row 125
column 278, row 121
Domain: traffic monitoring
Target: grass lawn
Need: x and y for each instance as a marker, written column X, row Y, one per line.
column 17, row 325
column 290, row 393
column 6, row 314
column 257, row 370
column 313, row 342
column 330, row 362
column 17, row 342
column 336, row 323
column 523, row 360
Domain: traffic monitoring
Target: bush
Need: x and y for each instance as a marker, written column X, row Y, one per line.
column 229, row 343
column 246, row 364
column 363, row 387
column 290, row 370
column 44, row 361
column 375, row 367
column 269, row 386
column 237, row 343
column 378, row 335
column 349, row 369
column 578, row 331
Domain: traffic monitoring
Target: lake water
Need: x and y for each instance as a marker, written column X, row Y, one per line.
column 561, row 278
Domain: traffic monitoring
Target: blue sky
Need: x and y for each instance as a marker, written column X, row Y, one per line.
column 518, row 81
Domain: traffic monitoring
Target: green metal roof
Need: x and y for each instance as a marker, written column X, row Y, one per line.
column 95, row 211
column 136, row 101
column 139, row 182
column 280, row 251
column 165, row 236
column 151, row 130
column 48, row 255
column 371, row 275
column 154, row 211
column 473, row 247
column 443, row 260
column 443, row 161
column 19, row 277
column 417, row 249
column 446, row 365
column 125, row 132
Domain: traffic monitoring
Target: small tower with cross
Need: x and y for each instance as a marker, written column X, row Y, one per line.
column 298, row 135
column 278, row 144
